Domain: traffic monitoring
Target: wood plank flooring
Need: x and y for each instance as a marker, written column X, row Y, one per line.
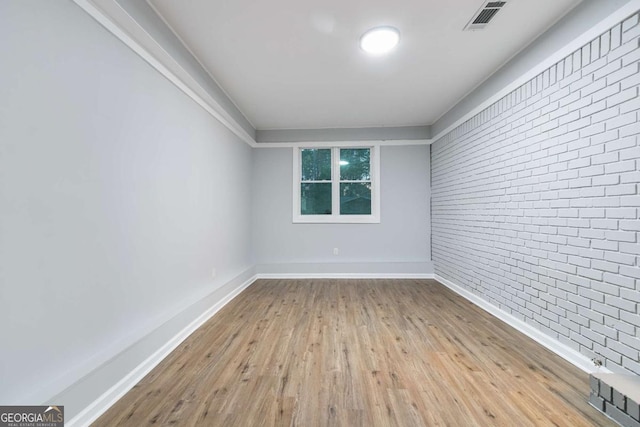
column 357, row 353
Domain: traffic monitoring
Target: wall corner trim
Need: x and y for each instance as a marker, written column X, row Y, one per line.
column 99, row 406
column 577, row 359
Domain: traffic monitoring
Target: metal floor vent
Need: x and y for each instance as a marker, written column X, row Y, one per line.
column 484, row 15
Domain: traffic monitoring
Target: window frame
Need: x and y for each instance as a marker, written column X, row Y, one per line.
column 335, row 217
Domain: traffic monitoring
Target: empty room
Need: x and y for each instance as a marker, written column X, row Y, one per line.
column 349, row 213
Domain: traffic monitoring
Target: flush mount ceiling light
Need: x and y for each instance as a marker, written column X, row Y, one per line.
column 379, row 40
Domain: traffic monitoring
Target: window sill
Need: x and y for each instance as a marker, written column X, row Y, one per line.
column 344, row 219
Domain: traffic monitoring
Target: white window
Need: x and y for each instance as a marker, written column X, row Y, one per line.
column 336, row 184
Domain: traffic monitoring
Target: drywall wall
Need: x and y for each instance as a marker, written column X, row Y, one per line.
column 401, row 238
column 118, row 197
column 580, row 20
column 535, row 201
column 344, row 134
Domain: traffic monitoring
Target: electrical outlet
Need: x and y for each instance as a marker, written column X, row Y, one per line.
column 336, row 251
column 213, row 273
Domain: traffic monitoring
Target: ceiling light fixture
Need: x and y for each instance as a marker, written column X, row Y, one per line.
column 379, row 40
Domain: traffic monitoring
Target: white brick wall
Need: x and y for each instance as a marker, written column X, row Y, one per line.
column 535, row 200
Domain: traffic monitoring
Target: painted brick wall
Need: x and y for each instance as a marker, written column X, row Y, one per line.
column 535, row 201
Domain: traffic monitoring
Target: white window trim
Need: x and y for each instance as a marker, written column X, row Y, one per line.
column 335, row 217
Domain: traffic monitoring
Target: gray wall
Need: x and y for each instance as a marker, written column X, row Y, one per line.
column 401, row 237
column 118, row 196
column 535, row 201
column 344, row 134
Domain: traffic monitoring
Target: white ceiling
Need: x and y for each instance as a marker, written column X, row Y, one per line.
column 296, row 64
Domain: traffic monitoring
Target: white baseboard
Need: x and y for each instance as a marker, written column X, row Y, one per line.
column 345, row 276
column 95, row 409
column 91, row 412
column 567, row 353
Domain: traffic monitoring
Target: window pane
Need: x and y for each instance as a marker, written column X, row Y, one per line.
column 316, row 164
column 355, row 198
column 315, row 199
column 354, row 164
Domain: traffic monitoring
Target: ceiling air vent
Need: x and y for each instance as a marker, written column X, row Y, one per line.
column 484, row 15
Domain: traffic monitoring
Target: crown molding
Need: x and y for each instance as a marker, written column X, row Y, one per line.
column 569, row 48
column 345, row 143
column 115, row 18
column 112, row 16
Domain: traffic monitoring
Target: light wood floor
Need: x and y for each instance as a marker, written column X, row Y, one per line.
column 357, row 353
